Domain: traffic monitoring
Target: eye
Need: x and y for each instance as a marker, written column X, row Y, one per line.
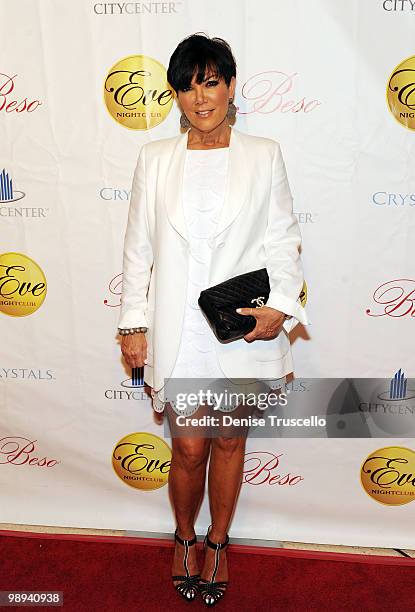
column 186, row 89
column 212, row 83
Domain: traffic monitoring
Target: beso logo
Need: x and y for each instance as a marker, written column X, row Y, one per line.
column 268, row 92
column 22, row 285
column 19, row 451
column 8, row 103
column 142, row 460
column 388, row 475
column 263, row 467
column 137, row 94
column 115, row 288
column 395, row 298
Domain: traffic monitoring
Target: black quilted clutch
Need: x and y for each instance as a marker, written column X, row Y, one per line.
column 219, row 303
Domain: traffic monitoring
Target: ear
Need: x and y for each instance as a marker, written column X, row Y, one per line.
column 232, row 86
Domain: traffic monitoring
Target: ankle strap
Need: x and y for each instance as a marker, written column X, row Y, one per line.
column 217, row 546
column 184, row 542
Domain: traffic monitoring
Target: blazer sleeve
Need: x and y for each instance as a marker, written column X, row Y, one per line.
column 138, row 254
column 282, row 241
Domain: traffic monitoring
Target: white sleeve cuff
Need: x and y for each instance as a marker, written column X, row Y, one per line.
column 288, row 306
column 132, row 318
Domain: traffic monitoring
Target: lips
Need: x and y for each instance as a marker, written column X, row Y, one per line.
column 205, row 113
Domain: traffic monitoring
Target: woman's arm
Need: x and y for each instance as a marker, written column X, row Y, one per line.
column 282, row 241
column 138, row 254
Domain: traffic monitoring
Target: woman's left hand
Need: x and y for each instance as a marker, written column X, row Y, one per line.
column 268, row 322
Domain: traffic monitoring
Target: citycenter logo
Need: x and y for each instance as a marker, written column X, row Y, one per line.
column 142, row 460
column 137, row 94
column 7, row 193
column 388, row 475
column 22, row 285
column 401, row 93
column 133, row 388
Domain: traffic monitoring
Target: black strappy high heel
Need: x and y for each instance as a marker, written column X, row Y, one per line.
column 188, row 585
column 210, row 590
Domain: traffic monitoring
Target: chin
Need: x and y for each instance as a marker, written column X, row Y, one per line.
column 207, row 126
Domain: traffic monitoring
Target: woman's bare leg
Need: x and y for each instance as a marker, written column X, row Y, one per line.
column 225, row 477
column 187, row 478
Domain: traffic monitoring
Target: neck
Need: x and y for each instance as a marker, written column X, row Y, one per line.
column 219, row 137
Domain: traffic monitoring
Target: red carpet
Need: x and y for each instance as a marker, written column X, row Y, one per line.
column 110, row 574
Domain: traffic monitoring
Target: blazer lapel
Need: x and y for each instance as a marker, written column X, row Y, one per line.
column 174, row 186
column 236, row 190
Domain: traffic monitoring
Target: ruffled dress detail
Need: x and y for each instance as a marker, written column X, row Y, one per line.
column 204, row 184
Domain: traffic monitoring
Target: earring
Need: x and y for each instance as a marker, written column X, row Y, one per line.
column 184, row 122
column 231, row 110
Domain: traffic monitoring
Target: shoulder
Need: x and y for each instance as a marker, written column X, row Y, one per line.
column 160, row 146
column 258, row 144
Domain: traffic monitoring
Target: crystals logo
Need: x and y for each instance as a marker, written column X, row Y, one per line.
column 263, row 467
column 9, row 195
column 270, row 92
column 8, row 101
column 142, row 460
column 133, row 388
column 137, row 8
column 137, row 94
column 400, row 93
column 393, row 200
column 114, row 194
column 16, row 450
column 394, row 298
column 22, row 285
column 26, row 374
column 388, row 475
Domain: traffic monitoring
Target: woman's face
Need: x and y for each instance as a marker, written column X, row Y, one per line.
column 206, row 104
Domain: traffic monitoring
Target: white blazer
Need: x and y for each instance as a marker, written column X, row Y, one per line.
column 256, row 229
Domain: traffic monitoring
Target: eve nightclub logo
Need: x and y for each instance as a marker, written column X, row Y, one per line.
column 137, row 94
column 22, row 285
column 400, row 93
column 388, row 475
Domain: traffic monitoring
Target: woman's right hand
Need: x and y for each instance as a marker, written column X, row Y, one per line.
column 134, row 349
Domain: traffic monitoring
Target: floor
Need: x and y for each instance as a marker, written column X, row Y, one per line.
column 288, row 545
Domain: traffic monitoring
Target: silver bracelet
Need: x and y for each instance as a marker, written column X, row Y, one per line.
column 132, row 330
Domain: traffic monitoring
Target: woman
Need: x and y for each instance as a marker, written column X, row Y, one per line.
column 206, row 206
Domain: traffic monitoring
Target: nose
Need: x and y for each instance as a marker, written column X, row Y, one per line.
column 200, row 96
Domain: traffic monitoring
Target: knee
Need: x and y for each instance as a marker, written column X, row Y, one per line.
column 190, row 454
column 228, row 446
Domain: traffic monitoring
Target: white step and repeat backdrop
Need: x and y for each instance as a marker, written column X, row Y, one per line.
column 333, row 81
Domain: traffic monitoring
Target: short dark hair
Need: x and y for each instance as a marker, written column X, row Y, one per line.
column 198, row 53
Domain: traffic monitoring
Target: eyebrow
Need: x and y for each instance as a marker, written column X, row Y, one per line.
column 212, row 74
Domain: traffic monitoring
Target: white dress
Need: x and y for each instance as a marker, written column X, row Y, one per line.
column 204, row 184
